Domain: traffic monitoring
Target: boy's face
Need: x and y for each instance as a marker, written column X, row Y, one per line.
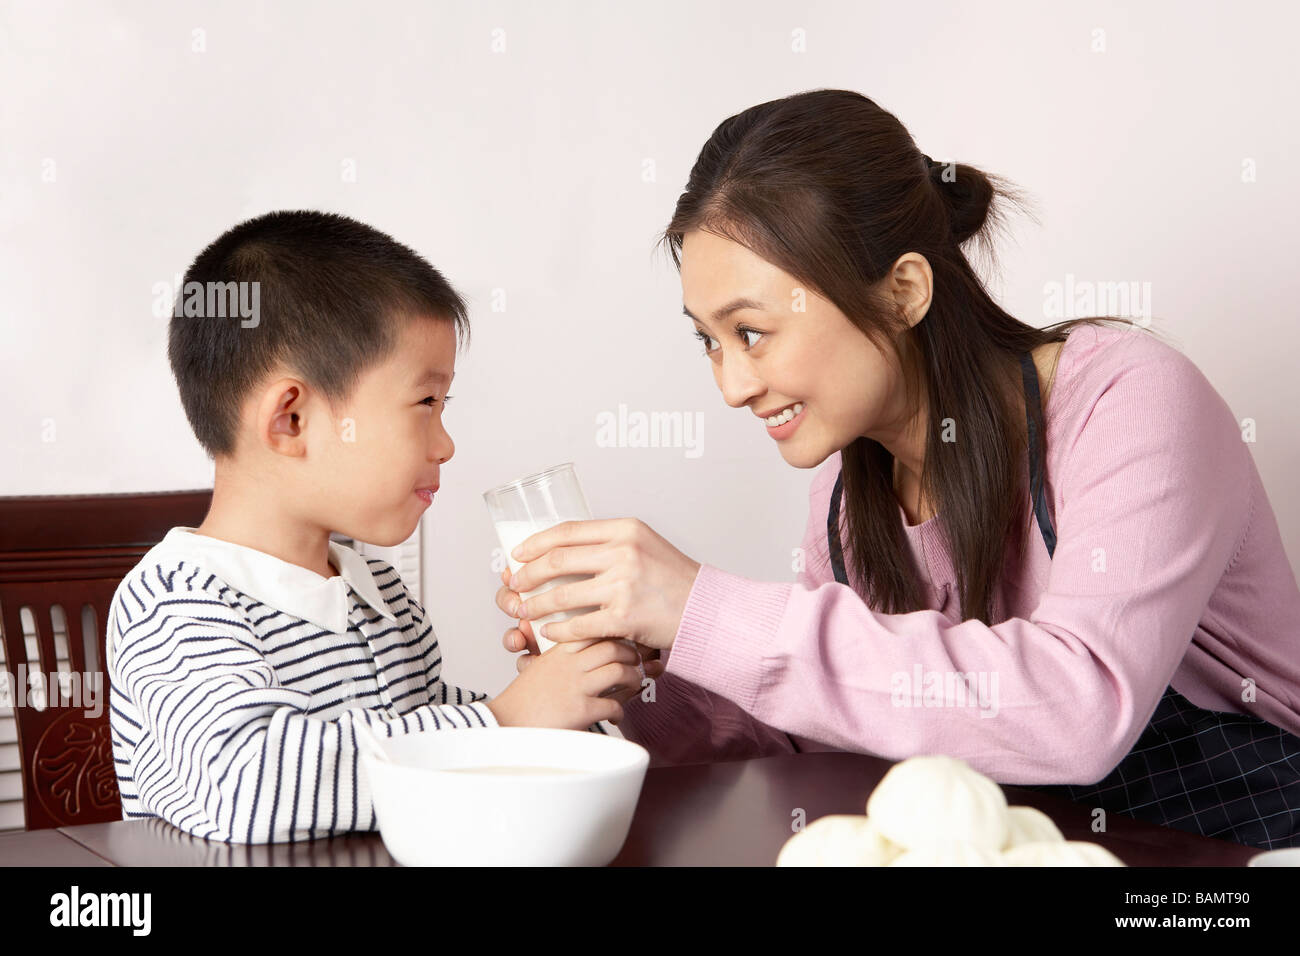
column 379, row 456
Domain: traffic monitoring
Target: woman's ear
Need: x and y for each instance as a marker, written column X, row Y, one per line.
column 911, row 283
column 280, row 424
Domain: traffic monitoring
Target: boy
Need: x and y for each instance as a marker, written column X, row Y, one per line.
column 242, row 653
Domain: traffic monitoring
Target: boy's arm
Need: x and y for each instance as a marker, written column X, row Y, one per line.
column 440, row 690
column 226, row 752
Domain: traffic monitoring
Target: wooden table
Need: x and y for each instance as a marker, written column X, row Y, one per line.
column 736, row 813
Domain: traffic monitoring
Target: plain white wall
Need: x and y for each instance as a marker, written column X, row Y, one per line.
column 126, row 149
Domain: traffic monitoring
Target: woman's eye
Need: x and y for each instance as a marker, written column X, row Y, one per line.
column 741, row 331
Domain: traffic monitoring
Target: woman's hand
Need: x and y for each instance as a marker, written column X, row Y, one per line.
column 641, row 582
column 521, row 638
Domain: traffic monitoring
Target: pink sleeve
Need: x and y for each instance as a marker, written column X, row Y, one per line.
column 687, row 724
column 1152, row 503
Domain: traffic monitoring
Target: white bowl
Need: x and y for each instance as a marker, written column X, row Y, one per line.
column 431, row 815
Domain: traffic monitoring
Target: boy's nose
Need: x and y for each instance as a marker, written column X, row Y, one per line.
column 444, row 448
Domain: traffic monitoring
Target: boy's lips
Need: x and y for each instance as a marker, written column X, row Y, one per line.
column 426, row 494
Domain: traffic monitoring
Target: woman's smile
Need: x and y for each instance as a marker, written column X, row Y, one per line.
column 789, row 420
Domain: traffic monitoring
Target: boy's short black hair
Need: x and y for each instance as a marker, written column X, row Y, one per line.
column 331, row 294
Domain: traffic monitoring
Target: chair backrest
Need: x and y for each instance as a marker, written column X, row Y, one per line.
column 71, row 552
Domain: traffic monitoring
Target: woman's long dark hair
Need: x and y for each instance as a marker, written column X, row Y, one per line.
column 830, row 188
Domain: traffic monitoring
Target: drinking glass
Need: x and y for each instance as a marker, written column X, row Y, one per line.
column 523, row 507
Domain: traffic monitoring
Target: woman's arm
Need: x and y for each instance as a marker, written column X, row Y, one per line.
column 1153, row 501
column 686, row 723
column 681, row 723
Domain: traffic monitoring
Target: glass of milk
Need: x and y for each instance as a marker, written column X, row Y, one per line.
column 531, row 504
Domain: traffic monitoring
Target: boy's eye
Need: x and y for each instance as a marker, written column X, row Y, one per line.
column 429, row 400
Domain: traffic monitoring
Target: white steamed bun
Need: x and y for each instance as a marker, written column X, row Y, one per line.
column 1069, row 853
column 949, row 853
column 1028, row 825
column 936, row 798
column 937, row 810
column 838, row 840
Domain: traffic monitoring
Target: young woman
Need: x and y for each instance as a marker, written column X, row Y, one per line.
column 1045, row 551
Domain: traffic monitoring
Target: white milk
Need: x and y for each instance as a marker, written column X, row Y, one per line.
column 512, row 534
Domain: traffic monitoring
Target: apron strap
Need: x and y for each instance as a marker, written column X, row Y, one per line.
column 1037, row 490
column 833, row 531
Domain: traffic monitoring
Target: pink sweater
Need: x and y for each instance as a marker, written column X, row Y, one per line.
column 1169, row 568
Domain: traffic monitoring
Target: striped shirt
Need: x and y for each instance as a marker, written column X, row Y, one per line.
column 236, row 681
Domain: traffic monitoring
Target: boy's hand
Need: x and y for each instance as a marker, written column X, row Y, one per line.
column 521, row 638
column 567, row 686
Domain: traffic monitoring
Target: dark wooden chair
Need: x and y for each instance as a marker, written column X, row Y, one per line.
column 72, row 552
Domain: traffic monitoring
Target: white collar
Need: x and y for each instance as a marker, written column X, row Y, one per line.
column 279, row 584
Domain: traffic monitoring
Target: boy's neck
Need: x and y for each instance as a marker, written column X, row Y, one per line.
column 260, row 522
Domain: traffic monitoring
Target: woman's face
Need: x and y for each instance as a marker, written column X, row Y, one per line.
column 788, row 345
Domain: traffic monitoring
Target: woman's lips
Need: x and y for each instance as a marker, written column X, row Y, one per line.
column 786, row 429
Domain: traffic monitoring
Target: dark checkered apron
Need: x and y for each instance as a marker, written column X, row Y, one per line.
column 1217, row 773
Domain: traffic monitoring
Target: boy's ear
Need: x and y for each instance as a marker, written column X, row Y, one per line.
column 280, row 424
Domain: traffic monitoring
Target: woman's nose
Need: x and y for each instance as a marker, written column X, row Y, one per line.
column 737, row 382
